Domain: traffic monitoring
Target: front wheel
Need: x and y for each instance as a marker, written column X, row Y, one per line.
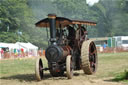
column 39, row 69
column 69, row 67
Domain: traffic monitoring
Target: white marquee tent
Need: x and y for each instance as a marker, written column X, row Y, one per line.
column 28, row 47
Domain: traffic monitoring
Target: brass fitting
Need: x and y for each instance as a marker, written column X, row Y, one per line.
column 51, row 16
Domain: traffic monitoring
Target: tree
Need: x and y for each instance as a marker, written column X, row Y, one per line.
column 13, row 14
column 75, row 9
column 110, row 18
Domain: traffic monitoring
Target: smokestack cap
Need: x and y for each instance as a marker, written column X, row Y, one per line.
column 52, row 16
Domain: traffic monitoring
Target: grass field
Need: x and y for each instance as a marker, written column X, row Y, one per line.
column 110, row 65
column 18, row 66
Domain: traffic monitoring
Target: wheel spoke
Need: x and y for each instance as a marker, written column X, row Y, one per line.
column 92, row 61
column 92, row 53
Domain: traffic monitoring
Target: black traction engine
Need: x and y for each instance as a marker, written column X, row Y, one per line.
column 69, row 48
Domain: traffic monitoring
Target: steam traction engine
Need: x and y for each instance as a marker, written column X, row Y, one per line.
column 69, row 48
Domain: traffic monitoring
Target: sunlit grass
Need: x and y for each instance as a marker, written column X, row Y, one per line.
column 112, row 63
column 18, row 66
column 109, row 65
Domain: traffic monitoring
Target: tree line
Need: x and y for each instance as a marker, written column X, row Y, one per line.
column 18, row 18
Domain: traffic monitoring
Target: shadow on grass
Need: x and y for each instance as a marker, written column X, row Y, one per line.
column 21, row 77
column 31, row 77
column 116, row 80
column 24, row 77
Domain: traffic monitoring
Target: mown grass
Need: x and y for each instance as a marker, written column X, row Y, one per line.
column 109, row 65
column 113, row 65
column 18, row 66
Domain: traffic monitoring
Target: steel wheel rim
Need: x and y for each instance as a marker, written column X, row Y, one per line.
column 41, row 68
column 92, row 57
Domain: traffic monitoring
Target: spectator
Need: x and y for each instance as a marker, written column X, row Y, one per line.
column 2, row 53
column 22, row 52
column 104, row 45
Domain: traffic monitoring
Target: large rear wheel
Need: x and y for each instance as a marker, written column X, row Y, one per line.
column 69, row 67
column 39, row 69
column 89, row 58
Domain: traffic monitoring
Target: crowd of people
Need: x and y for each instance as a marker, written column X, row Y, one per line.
column 15, row 53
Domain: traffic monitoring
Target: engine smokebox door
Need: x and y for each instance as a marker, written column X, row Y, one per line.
column 54, row 53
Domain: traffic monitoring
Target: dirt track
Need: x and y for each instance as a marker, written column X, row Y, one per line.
column 78, row 79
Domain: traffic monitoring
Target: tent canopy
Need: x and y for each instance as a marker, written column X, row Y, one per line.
column 18, row 45
column 26, row 45
column 8, row 45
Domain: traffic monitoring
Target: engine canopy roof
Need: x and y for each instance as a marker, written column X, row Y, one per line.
column 63, row 22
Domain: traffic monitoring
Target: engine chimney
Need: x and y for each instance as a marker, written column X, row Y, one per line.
column 52, row 23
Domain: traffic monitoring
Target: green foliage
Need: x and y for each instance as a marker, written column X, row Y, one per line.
column 104, row 13
column 111, row 17
column 12, row 37
column 41, row 8
column 38, row 36
column 16, row 16
column 122, row 76
column 13, row 13
column 21, row 15
column 73, row 9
